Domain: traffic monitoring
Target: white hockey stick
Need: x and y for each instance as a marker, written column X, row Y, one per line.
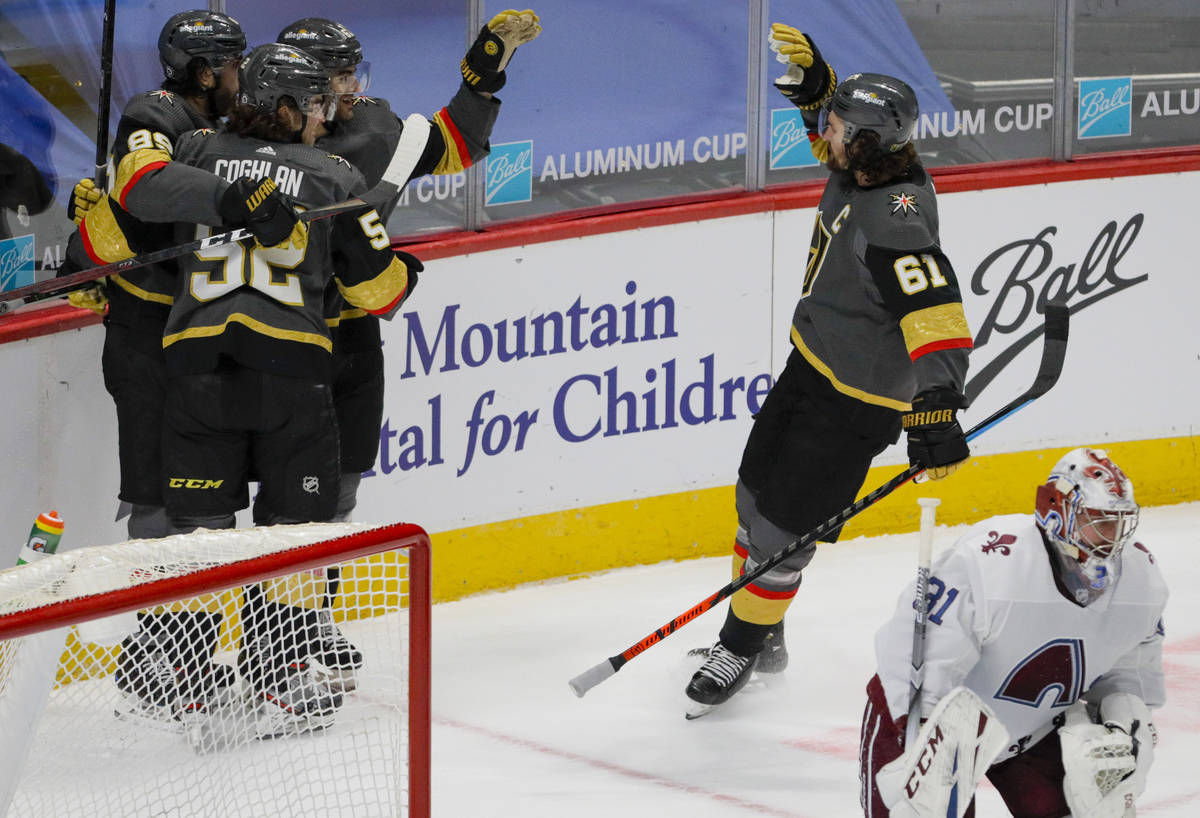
column 916, row 676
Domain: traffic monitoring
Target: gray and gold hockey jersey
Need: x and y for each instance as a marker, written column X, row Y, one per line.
column 458, row 139
column 264, row 306
column 139, row 299
column 880, row 313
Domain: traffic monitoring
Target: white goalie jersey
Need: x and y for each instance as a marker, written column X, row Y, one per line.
column 999, row 625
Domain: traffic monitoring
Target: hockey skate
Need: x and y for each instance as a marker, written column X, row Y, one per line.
column 338, row 658
column 723, row 674
column 158, row 694
column 302, row 702
column 774, row 656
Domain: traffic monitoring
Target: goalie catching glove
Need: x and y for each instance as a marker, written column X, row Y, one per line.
column 1106, row 764
column 809, row 81
column 936, row 442
column 483, row 67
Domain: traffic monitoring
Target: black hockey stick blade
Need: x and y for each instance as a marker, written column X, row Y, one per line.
column 1054, row 350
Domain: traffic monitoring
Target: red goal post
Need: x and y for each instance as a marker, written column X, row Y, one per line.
column 382, row 594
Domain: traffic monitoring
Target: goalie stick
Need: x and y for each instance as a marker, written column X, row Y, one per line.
column 1054, row 350
column 921, row 620
column 395, row 176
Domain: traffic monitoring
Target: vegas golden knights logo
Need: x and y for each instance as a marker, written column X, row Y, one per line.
column 816, row 255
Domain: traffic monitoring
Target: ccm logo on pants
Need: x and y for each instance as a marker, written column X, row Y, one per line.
column 193, row 483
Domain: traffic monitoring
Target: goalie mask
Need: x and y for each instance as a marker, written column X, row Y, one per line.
column 216, row 37
column 874, row 102
column 1087, row 513
column 273, row 73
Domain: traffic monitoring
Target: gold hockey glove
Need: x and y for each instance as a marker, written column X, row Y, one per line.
column 809, row 81
column 93, row 297
column 84, row 196
column 483, row 66
column 935, row 440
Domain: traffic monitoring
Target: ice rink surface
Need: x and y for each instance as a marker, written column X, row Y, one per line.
column 510, row 738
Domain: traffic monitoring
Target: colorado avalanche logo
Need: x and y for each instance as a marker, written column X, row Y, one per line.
column 903, row 203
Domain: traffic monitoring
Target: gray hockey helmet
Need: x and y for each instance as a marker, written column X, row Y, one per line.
column 331, row 44
column 200, row 33
column 273, row 71
column 875, row 102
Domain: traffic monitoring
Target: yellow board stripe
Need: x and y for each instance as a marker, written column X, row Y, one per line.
column 257, row 326
column 845, row 389
column 582, row 541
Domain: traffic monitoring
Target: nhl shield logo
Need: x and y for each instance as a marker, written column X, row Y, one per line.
column 311, row 485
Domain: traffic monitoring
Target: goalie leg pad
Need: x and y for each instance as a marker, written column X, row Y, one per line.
column 938, row 774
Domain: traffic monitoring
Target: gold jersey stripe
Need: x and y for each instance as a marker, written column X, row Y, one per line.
column 346, row 315
column 133, row 289
column 103, row 239
column 253, row 324
column 380, row 292
column 132, row 167
column 945, row 322
column 455, row 157
column 845, row 389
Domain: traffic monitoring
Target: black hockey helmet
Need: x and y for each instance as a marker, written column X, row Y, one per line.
column 332, row 44
column 875, row 102
column 201, row 33
column 273, row 71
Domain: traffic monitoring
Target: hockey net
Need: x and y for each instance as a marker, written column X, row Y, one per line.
column 266, row 671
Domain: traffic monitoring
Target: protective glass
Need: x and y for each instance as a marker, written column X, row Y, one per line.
column 352, row 80
column 823, row 117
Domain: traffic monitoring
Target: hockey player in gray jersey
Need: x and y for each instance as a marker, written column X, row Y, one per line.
column 248, row 352
column 199, row 51
column 365, row 131
column 880, row 343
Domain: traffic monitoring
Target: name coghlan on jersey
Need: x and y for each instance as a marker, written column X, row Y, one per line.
column 287, row 178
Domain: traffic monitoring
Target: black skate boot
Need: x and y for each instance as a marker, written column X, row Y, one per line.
column 722, row 674
column 774, row 656
column 336, row 654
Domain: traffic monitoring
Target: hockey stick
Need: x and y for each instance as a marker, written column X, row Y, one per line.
column 106, row 63
column 405, row 158
column 1053, row 352
column 921, row 606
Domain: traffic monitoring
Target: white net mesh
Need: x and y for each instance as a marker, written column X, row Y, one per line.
column 287, row 696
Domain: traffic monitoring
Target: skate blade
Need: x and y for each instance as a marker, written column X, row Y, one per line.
column 153, row 717
column 695, row 710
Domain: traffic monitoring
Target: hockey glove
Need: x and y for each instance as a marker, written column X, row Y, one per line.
column 820, row 148
column 483, row 66
column 935, row 440
column 1105, row 764
column 259, row 207
column 809, row 81
column 93, row 297
column 85, row 195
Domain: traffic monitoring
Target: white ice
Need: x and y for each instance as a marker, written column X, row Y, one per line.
column 510, row 739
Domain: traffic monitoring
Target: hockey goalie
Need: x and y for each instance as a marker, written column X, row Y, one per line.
column 1048, row 626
